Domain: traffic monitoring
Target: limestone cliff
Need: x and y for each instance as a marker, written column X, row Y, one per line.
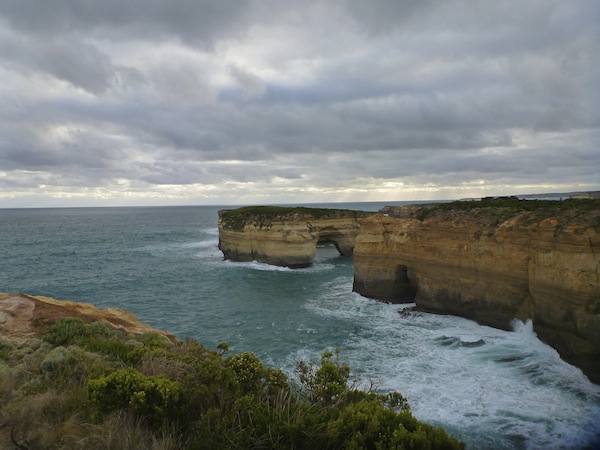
column 493, row 264
column 26, row 316
column 285, row 236
column 492, row 261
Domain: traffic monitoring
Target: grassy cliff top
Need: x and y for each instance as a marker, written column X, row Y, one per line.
column 501, row 208
column 518, row 204
column 235, row 219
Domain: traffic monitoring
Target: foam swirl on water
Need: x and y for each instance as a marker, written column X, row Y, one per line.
column 491, row 388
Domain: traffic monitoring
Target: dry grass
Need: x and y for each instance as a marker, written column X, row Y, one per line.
column 121, row 430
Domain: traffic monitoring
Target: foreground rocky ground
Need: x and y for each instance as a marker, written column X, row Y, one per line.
column 25, row 316
column 73, row 376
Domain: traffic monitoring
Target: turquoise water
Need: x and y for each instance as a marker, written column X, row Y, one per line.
column 490, row 388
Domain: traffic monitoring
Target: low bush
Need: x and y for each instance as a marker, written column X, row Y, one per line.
column 155, row 398
column 68, row 330
column 88, row 386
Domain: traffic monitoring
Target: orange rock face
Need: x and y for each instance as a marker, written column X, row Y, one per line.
column 25, row 316
column 493, row 267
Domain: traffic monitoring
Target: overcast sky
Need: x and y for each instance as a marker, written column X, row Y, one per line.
column 144, row 102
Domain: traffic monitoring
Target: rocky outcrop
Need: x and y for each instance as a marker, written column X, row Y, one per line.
column 26, row 316
column 493, row 265
column 285, row 236
column 491, row 261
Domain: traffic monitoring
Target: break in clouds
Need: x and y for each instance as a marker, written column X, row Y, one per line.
column 156, row 102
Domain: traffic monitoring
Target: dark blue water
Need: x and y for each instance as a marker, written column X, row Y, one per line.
column 491, row 388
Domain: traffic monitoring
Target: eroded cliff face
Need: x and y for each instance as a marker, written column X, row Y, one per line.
column 26, row 316
column 493, row 265
column 490, row 264
column 285, row 236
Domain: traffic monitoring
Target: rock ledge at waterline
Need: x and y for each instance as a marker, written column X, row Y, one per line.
column 491, row 261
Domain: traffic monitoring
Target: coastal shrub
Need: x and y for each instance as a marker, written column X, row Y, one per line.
column 59, row 358
column 248, row 370
column 110, row 347
column 156, row 398
column 6, row 348
column 155, row 341
column 67, row 330
column 370, row 425
column 87, row 386
column 71, row 366
column 327, row 382
column 102, row 329
column 326, row 412
column 210, row 384
column 99, row 337
column 253, row 377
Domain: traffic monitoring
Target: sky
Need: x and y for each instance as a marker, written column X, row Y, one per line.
column 161, row 102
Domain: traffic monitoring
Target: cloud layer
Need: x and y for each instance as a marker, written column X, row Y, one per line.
column 205, row 102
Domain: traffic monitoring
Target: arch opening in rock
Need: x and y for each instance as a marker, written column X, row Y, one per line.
column 327, row 249
column 342, row 243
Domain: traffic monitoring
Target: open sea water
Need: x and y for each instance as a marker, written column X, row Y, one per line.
column 490, row 388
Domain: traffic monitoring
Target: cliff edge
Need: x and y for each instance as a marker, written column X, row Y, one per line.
column 25, row 316
column 493, row 261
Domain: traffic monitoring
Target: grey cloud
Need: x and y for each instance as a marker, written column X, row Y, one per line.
column 196, row 21
column 75, row 149
column 67, row 58
column 169, row 171
column 424, row 92
column 251, row 84
column 181, row 82
column 79, row 63
column 381, row 16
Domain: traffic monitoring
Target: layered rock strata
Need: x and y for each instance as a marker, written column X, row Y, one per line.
column 285, row 236
column 26, row 316
column 491, row 261
column 492, row 265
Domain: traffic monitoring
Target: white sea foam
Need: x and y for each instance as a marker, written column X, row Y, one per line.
column 178, row 246
column 514, row 390
column 211, row 231
column 264, row 267
column 201, row 244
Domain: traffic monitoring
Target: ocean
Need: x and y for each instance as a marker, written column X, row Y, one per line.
column 492, row 389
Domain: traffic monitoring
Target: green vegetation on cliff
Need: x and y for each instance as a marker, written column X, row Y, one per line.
column 506, row 207
column 236, row 219
column 88, row 386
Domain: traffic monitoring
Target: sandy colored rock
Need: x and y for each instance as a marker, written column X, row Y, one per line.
column 24, row 316
column 490, row 264
column 289, row 239
column 493, row 267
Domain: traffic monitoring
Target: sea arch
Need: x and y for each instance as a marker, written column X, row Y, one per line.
column 286, row 236
column 343, row 243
